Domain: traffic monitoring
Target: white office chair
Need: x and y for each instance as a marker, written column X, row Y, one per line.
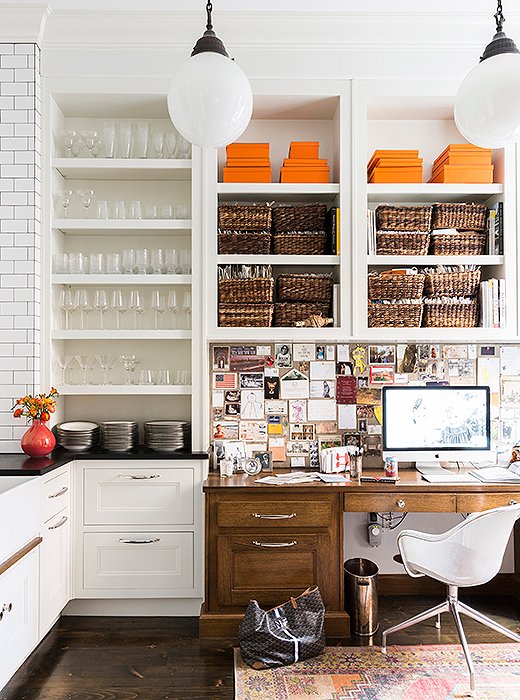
column 467, row 555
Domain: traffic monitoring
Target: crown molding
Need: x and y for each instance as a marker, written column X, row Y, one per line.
column 24, row 22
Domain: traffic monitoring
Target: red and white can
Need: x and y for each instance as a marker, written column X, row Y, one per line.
column 391, row 467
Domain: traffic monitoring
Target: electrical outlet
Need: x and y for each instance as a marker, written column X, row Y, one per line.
column 374, row 534
column 374, row 518
column 386, row 520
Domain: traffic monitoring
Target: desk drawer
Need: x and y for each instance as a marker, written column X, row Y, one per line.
column 293, row 513
column 477, row 502
column 400, row 502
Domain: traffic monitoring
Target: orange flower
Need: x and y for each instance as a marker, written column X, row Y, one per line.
column 45, row 416
column 17, row 413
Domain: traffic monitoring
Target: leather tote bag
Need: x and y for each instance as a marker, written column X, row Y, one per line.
column 285, row 634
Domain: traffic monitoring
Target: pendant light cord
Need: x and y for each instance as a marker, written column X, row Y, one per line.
column 209, row 8
column 499, row 16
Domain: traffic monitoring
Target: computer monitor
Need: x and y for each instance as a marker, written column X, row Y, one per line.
column 436, row 423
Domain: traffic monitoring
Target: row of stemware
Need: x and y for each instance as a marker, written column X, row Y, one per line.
column 139, row 261
column 118, row 209
column 88, row 364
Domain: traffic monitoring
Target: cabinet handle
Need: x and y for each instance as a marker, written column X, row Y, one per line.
column 59, row 493
column 59, row 524
column 512, row 502
column 265, row 516
column 400, row 503
column 139, row 476
column 123, row 541
column 274, row 544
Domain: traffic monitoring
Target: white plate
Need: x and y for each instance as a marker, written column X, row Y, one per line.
column 78, row 425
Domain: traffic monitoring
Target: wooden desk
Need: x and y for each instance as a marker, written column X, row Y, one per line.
column 270, row 542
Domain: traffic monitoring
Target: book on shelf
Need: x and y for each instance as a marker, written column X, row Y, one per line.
column 371, row 232
column 492, row 297
column 333, row 230
column 496, row 229
column 335, row 304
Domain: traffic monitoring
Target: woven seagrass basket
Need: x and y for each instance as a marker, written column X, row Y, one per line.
column 452, row 284
column 244, row 217
column 300, row 243
column 244, row 242
column 258, row 290
column 392, row 218
column 402, row 243
column 245, row 315
column 451, row 315
column 299, row 217
column 287, row 313
column 304, row 287
column 395, row 286
column 470, row 217
column 461, row 243
column 394, row 315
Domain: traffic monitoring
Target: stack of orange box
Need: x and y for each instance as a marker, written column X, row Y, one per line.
column 463, row 162
column 247, row 162
column 303, row 164
column 395, row 166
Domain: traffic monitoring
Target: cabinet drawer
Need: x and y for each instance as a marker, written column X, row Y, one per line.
column 138, row 496
column 54, row 569
column 139, row 561
column 400, row 502
column 19, row 623
column 274, row 514
column 476, row 502
column 56, row 495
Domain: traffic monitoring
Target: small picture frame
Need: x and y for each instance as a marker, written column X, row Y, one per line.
column 266, row 460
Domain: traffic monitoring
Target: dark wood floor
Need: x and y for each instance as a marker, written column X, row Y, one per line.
column 100, row 658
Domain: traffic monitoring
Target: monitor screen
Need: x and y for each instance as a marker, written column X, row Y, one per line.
column 436, row 418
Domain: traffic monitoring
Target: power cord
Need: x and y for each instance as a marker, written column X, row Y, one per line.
column 392, row 520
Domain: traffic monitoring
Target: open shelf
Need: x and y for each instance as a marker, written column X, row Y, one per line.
column 313, row 260
column 122, row 280
column 428, row 260
column 111, row 389
column 123, row 169
column 119, row 226
column 111, row 334
column 430, row 192
column 258, row 191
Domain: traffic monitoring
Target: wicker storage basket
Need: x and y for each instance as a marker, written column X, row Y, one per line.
column 300, row 243
column 395, row 286
column 245, row 315
column 452, row 284
column 304, row 287
column 451, row 315
column 402, row 243
column 258, row 290
column 394, row 315
column 299, row 217
column 287, row 313
column 469, row 217
column 244, row 217
column 463, row 243
column 391, row 218
column 244, row 242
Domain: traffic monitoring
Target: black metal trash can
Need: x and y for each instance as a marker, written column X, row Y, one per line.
column 361, row 577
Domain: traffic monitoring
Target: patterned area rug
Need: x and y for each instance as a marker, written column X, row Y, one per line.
column 436, row 672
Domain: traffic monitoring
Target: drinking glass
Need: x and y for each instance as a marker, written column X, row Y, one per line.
column 119, row 305
column 125, row 139
column 107, row 364
column 145, row 376
column 156, row 261
column 101, row 304
column 186, row 307
column 170, row 260
column 113, row 266
column 109, row 138
column 60, row 263
column 119, row 209
column 182, row 376
column 78, row 263
column 86, row 196
column 158, row 144
column 136, row 305
column 102, row 210
column 89, row 137
column 135, row 211
column 158, row 306
column 183, row 148
column 182, row 211
column 82, row 299
column 96, row 148
column 130, row 362
column 150, row 211
column 142, row 132
column 128, row 261
column 142, row 261
column 63, row 200
column 173, row 306
column 68, row 304
column 170, row 143
column 163, row 376
column 97, row 264
column 166, row 211
column 185, row 261
column 68, row 137
column 85, row 362
column 62, row 362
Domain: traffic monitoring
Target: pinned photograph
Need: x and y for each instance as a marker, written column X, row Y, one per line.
column 225, row 430
column 275, row 408
column 221, row 358
column 326, row 427
column 301, row 431
column 369, row 396
column 330, row 352
column 232, row 396
column 362, row 425
column 283, row 355
column 266, row 460
column 381, row 374
column 407, row 358
column 381, row 354
column 232, row 409
column 351, row 439
column 297, row 447
column 320, row 352
column 252, row 404
column 362, row 382
column 329, row 441
column 271, row 388
column 344, row 368
column 224, row 380
column 510, row 391
column 455, row 352
column 252, row 380
column 487, row 350
column 325, row 389
column 304, row 352
column 234, row 450
column 510, row 360
column 253, row 431
column 217, row 412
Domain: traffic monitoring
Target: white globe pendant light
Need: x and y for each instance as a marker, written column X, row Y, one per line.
column 210, row 99
column 487, row 104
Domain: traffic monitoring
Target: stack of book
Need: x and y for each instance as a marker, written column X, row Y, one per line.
column 304, row 163
column 463, row 163
column 395, row 166
column 247, row 162
column 493, row 303
column 496, row 229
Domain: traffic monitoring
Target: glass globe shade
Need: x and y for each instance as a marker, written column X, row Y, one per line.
column 487, row 104
column 210, row 100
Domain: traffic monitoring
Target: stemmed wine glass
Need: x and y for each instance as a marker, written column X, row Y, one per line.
column 86, row 197
column 68, row 304
column 107, row 363
column 172, row 305
column 136, row 305
column 82, row 300
column 158, row 306
column 101, row 304
column 63, row 200
column 119, row 305
column 63, row 362
column 170, row 142
column 69, row 138
column 130, row 362
column 89, row 137
column 85, row 362
column 158, row 144
column 186, row 307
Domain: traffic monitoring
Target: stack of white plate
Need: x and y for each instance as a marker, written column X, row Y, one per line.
column 119, row 435
column 78, row 435
column 167, row 435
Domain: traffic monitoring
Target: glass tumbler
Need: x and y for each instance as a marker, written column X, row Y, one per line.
column 145, row 376
column 135, row 210
column 109, row 138
column 142, row 133
column 162, row 376
column 170, row 260
column 113, row 266
column 102, row 209
column 156, row 261
column 142, row 261
column 119, row 209
column 78, row 264
column 60, row 263
column 128, row 264
column 125, row 139
column 97, row 264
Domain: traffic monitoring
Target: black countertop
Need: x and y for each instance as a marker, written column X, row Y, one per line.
column 22, row 465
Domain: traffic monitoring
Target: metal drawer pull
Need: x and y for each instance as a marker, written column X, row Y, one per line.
column 61, row 522
column 512, row 502
column 59, row 493
column 274, row 517
column 139, row 476
column 123, row 541
column 274, row 544
column 400, row 503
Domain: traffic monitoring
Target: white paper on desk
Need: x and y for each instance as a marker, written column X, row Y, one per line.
column 323, row 370
column 321, row 409
column 510, row 360
column 347, row 419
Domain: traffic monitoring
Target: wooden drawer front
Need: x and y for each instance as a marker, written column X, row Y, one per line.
column 138, row 496
column 274, row 514
column 477, row 502
column 19, row 625
column 284, row 566
column 400, row 503
column 143, row 561
column 56, row 495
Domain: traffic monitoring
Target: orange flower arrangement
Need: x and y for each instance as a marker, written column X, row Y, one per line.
column 37, row 407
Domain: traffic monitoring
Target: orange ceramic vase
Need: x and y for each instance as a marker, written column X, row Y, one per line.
column 38, row 441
